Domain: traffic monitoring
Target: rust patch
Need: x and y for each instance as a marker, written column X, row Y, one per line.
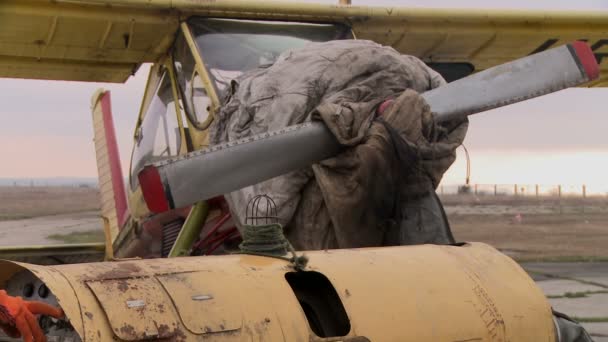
column 179, row 335
column 120, row 270
column 347, row 293
column 98, row 333
column 163, row 330
column 89, row 315
column 166, row 334
column 127, row 266
column 123, row 286
column 174, row 276
column 161, row 308
column 128, row 330
column 178, row 332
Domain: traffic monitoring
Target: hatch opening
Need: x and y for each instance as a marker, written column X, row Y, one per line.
column 320, row 302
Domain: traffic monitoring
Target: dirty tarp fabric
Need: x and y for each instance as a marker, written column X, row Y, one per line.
column 568, row 330
column 386, row 179
column 386, row 176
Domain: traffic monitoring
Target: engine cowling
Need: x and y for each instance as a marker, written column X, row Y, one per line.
column 469, row 292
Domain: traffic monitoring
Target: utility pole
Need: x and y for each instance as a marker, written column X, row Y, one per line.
column 559, row 195
column 584, row 196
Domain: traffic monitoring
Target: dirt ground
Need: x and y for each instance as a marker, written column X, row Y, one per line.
column 25, row 202
column 570, row 229
column 527, row 228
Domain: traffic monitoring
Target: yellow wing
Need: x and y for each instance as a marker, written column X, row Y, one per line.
column 107, row 40
column 67, row 40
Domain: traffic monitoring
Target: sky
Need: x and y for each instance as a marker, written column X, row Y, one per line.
column 46, row 128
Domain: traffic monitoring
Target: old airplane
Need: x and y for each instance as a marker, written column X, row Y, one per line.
column 197, row 47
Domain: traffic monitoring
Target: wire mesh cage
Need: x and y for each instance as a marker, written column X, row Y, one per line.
column 261, row 210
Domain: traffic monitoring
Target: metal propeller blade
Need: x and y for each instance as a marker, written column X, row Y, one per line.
column 184, row 180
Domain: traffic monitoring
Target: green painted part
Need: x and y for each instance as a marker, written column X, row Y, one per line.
column 91, row 246
column 564, row 258
column 91, row 251
column 95, row 235
column 190, row 230
column 581, row 294
column 590, row 319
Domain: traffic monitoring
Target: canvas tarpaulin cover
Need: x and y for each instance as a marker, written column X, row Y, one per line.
column 380, row 189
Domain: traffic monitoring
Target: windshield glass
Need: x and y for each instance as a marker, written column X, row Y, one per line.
column 197, row 103
column 158, row 136
column 230, row 47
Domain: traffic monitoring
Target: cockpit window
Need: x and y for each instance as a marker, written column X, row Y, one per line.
column 158, row 136
column 192, row 90
column 231, row 47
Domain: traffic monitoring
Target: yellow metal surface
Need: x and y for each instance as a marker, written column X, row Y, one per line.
column 202, row 72
column 85, row 39
column 137, row 308
column 216, row 309
column 154, row 77
column 137, row 205
column 183, row 147
column 77, row 41
column 413, row 293
column 108, row 239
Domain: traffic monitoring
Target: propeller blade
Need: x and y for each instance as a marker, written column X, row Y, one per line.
column 184, row 180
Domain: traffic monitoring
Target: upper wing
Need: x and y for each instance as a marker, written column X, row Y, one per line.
column 71, row 40
column 449, row 40
column 106, row 40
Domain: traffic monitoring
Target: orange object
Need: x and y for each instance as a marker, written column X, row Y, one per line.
column 17, row 317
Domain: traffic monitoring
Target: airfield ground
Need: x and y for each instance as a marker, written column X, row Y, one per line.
column 563, row 244
column 18, row 202
column 529, row 229
column 526, row 228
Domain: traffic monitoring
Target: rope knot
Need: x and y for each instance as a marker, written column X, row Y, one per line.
column 268, row 240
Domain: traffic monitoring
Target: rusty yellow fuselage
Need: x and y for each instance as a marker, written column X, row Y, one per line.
column 417, row 293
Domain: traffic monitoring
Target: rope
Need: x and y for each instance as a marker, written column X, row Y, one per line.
column 268, row 240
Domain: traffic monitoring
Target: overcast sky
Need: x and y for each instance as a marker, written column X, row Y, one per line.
column 46, row 128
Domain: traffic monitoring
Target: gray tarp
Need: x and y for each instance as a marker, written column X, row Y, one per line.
column 380, row 191
column 568, row 330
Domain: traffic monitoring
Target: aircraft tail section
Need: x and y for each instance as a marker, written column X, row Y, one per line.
column 111, row 182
